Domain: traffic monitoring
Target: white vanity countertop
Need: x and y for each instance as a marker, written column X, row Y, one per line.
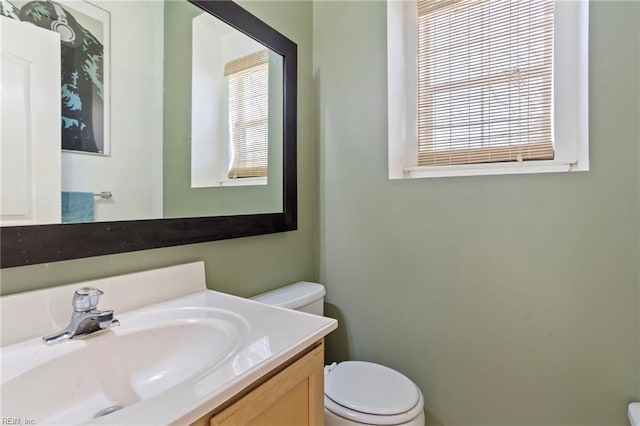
column 273, row 336
column 261, row 337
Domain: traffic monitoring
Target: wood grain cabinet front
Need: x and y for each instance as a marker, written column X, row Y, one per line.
column 293, row 395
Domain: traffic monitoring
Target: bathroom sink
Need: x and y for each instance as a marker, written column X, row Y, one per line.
column 180, row 351
column 152, row 351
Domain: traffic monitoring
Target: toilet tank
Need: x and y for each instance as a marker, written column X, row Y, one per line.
column 301, row 296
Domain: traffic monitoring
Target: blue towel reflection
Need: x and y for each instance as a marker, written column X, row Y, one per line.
column 77, row 207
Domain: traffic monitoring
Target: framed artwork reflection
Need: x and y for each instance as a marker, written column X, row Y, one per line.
column 84, row 30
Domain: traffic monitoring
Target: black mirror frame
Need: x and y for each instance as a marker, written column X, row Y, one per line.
column 28, row 245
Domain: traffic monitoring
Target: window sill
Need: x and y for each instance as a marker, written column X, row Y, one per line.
column 244, row 181
column 552, row 166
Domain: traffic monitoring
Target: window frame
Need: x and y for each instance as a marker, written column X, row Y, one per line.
column 569, row 97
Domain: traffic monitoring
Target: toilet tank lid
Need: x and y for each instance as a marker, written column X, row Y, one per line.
column 292, row 296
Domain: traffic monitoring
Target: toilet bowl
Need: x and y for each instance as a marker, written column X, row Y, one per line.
column 633, row 411
column 356, row 392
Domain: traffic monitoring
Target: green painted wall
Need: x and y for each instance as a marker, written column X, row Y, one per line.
column 243, row 266
column 638, row 124
column 510, row 300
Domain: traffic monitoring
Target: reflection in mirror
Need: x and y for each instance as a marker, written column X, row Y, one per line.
column 144, row 109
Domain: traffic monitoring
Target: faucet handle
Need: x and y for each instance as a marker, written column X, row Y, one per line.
column 86, row 299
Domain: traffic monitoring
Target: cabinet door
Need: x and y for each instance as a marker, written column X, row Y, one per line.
column 294, row 397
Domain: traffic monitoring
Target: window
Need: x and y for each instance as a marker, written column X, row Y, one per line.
column 248, row 79
column 486, row 87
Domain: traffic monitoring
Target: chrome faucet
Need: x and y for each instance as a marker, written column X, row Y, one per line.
column 85, row 319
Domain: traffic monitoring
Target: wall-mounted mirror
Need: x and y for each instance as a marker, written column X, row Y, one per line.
column 129, row 125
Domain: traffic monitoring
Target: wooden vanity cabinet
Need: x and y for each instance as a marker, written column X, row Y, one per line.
column 292, row 394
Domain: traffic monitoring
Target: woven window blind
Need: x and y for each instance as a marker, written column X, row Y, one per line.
column 248, row 79
column 484, row 81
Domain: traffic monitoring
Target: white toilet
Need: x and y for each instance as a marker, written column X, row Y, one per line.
column 355, row 392
column 633, row 411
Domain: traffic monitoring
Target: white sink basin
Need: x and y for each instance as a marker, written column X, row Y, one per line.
column 151, row 352
column 180, row 350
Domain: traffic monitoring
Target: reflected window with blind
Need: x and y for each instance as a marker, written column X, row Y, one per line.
column 248, row 83
column 484, row 81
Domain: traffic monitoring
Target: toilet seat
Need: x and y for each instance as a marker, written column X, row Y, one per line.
column 373, row 419
column 369, row 393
